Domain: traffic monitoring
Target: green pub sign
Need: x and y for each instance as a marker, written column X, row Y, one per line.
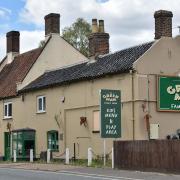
column 110, row 107
column 168, row 93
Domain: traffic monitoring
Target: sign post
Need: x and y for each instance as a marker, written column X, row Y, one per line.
column 110, row 113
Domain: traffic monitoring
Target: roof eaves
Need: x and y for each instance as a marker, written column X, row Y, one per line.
column 70, row 81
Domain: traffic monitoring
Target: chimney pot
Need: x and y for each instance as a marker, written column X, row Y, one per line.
column 98, row 40
column 94, row 26
column 12, row 44
column 101, row 26
column 163, row 23
column 52, row 23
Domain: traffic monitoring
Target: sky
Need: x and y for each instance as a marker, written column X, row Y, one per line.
column 129, row 22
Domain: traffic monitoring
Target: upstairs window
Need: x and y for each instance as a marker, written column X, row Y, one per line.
column 7, row 110
column 41, row 104
column 53, row 140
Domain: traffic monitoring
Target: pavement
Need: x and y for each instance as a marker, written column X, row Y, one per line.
column 38, row 166
column 37, row 171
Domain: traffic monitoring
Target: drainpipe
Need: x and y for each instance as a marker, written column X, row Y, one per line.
column 148, row 105
column 133, row 113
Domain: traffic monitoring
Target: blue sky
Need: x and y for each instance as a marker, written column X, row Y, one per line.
column 11, row 20
column 129, row 22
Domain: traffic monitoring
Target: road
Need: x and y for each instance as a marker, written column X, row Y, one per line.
column 81, row 174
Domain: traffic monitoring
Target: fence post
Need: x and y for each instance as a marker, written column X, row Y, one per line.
column 14, row 156
column 31, row 155
column 48, row 156
column 89, row 156
column 112, row 157
column 67, row 156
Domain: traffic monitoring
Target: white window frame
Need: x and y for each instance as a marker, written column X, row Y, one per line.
column 43, row 105
column 7, row 116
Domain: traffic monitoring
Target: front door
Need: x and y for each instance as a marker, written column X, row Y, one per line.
column 7, row 146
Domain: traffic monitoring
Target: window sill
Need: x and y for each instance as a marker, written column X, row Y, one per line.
column 55, row 150
column 41, row 112
column 7, row 118
column 95, row 131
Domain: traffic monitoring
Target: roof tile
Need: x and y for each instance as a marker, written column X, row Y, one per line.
column 118, row 62
column 16, row 71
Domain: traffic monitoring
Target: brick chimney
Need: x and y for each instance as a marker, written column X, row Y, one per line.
column 12, row 45
column 52, row 23
column 98, row 40
column 163, row 23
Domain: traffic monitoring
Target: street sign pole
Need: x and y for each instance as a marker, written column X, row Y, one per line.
column 110, row 115
column 104, row 152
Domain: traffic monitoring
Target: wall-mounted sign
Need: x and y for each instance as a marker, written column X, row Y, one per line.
column 110, row 107
column 168, row 93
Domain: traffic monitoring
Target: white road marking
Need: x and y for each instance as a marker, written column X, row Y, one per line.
column 73, row 173
column 98, row 175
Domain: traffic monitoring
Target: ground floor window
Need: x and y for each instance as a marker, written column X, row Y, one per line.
column 53, row 140
column 22, row 142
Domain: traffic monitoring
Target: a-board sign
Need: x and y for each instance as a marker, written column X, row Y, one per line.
column 110, row 113
column 168, row 98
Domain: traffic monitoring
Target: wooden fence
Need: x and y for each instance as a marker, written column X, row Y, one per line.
column 158, row 155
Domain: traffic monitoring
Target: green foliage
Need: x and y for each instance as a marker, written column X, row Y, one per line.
column 77, row 35
column 42, row 43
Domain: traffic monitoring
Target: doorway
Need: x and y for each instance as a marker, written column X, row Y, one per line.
column 7, row 146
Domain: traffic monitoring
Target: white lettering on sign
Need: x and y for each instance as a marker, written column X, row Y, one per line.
column 174, row 91
column 113, row 132
column 111, row 97
column 175, row 106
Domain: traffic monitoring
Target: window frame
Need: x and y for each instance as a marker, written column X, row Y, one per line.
column 6, row 108
column 54, row 141
column 43, row 104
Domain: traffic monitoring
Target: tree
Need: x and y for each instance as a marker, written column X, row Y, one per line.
column 42, row 43
column 77, row 35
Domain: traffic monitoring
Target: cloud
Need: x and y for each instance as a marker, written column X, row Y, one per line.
column 4, row 12
column 129, row 22
column 122, row 18
column 2, row 46
column 30, row 39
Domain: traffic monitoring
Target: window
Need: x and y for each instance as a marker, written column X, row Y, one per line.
column 52, row 139
column 41, row 104
column 8, row 110
column 96, row 121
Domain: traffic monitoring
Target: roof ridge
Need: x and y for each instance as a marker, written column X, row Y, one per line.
column 131, row 47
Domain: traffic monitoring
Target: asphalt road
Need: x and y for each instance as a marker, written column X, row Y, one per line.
column 82, row 173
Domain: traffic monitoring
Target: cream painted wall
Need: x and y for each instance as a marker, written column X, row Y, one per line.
column 57, row 54
column 162, row 58
column 81, row 99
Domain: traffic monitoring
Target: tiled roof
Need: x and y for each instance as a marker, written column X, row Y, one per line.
column 118, row 62
column 16, row 71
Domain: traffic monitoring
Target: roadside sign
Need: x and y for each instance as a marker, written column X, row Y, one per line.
column 168, row 93
column 110, row 112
